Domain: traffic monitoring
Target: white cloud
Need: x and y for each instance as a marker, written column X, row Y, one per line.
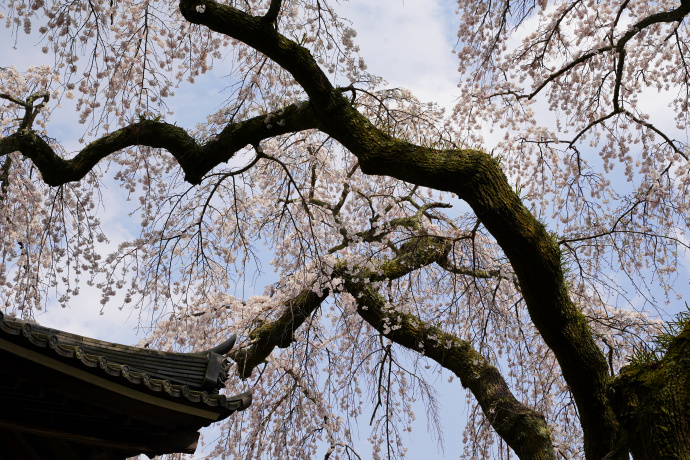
column 408, row 43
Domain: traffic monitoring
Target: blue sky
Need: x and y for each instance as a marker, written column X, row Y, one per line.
column 407, row 42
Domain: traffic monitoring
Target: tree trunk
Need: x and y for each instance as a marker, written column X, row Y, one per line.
column 652, row 401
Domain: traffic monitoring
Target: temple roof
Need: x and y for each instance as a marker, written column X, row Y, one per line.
column 105, row 400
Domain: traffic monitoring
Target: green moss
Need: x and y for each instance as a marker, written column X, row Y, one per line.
column 652, row 397
column 648, row 355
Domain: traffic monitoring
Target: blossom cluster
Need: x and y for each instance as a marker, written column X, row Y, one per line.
column 295, row 214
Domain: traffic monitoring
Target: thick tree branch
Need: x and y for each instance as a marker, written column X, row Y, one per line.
column 262, row 36
column 478, row 179
column 652, row 399
column 448, row 265
column 277, row 333
column 280, row 332
column 536, row 259
column 271, row 15
column 523, row 429
column 195, row 159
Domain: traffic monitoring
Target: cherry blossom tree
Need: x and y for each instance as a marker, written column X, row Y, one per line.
column 401, row 247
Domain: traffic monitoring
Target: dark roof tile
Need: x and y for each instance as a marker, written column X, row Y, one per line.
column 191, row 377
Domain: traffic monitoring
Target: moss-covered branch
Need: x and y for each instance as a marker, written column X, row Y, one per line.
column 652, row 400
column 276, row 333
column 280, row 332
column 261, row 35
column 523, row 429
